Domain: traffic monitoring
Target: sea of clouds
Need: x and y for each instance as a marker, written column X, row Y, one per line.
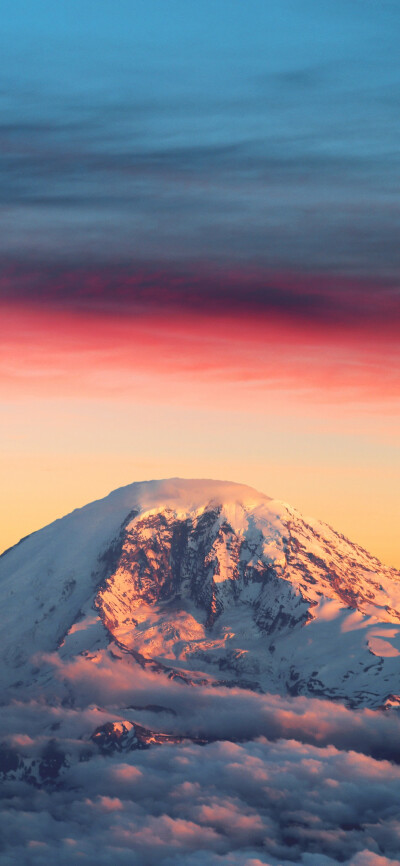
column 280, row 780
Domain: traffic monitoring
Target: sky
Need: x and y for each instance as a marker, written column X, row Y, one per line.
column 199, row 256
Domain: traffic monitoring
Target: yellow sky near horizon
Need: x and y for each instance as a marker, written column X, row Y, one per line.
column 57, row 455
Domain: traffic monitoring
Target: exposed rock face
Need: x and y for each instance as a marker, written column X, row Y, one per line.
column 176, row 578
column 123, row 736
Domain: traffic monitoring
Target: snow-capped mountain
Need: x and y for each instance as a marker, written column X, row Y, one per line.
column 205, row 582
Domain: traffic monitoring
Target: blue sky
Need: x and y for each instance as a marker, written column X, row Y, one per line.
column 261, row 132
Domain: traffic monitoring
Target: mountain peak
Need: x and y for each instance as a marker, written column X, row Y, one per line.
column 207, row 581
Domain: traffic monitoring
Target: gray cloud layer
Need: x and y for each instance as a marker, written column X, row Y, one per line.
column 269, row 176
column 225, row 803
column 306, row 781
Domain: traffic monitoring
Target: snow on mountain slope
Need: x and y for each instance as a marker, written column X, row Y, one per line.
column 208, row 582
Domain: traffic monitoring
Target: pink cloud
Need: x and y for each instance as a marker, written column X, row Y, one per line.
column 166, row 356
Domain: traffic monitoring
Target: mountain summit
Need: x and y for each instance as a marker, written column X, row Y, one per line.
column 205, row 582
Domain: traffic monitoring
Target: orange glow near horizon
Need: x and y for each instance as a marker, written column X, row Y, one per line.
column 96, row 400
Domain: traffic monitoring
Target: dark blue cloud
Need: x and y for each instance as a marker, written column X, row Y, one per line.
column 192, row 289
